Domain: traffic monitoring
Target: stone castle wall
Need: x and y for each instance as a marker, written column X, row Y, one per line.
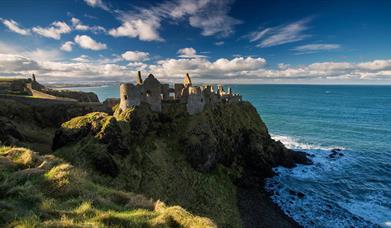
column 152, row 92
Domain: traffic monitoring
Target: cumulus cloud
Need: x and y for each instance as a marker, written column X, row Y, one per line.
column 54, row 31
column 211, row 16
column 189, row 53
column 15, row 27
column 311, row 48
column 376, row 65
column 143, row 29
column 274, row 36
column 135, row 56
column 16, row 64
column 82, row 59
column 78, row 25
column 87, row 42
column 97, row 4
column 50, row 66
column 67, row 46
column 201, row 67
column 37, row 54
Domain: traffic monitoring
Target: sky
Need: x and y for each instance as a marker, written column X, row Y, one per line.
column 222, row 41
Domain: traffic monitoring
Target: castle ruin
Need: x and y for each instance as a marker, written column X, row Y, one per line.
column 154, row 93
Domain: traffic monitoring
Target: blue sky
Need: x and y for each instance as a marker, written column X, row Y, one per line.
column 213, row 40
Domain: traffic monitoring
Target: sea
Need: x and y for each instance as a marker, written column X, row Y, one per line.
column 348, row 188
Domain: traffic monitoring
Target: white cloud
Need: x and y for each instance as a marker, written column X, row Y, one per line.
column 82, row 59
column 201, row 67
column 189, row 53
column 376, row 65
column 257, row 35
column 279, row 35
column 211, row 16
column 97, row 3
column 50, row 66
column 67, row 46
column 15, row 27
column 219, row 43
column 87, row 42
column 135, row 56
column 37, row 54
column 16, row 64
column 54, row 31
column 310, row 48
column 137, row 28
column 43, row 54
column 78, row 25
column 213, row 19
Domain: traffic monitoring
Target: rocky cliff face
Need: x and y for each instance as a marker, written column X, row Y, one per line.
column 195, row 161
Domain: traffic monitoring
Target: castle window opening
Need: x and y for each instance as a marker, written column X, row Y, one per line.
column 125, row 97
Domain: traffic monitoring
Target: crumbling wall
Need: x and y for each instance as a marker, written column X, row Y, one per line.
column 130, row 96
column 195, row 101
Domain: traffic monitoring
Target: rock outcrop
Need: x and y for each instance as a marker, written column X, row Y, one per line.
column 197, row 161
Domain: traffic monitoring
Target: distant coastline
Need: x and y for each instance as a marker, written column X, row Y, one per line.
column 79, row 85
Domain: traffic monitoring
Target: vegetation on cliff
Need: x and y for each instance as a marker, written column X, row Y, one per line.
column 46, row 191
column 193, row 161
column 115, row 169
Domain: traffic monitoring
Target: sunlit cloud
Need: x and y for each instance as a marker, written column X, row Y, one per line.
column 211, row 16
column 15, row 27
column 135, row 56
column 54, row 31
column 87, row 42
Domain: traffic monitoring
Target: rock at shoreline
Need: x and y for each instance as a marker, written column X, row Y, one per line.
column 335, row 153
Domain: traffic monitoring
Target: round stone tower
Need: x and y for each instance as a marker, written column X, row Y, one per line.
column 130, row 95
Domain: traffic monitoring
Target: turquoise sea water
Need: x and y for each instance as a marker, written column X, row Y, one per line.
column 350, row 190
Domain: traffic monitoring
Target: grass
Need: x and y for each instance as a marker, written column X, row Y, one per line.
column 67, row 188
column 37, row 190
column 155, row 165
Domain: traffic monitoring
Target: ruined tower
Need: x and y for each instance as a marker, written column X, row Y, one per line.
column 130, row 96
column 151, row 93
column 187, row 80
column 139, row 79
column 195, row 100
column 34, row 79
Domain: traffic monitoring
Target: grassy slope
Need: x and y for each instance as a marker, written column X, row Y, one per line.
column 40, row 190
column 155, row 164
column 157, row 168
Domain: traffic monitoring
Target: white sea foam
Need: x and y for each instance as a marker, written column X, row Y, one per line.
column 296, row 144
column 315, row 209
column 370, row 208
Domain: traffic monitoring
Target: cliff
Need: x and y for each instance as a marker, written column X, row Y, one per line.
column 200, row 162
column 95, row 167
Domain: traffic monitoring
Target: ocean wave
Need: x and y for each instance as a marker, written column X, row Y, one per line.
column 322, row 201
column 312, row 210
column 296, row 144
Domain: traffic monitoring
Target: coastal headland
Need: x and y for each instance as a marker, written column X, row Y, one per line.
column 187, row 156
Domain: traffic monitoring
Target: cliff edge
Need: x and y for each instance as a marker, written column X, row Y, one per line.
column 210, row 163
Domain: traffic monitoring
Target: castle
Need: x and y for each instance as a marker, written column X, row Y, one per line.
column 154, row 93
